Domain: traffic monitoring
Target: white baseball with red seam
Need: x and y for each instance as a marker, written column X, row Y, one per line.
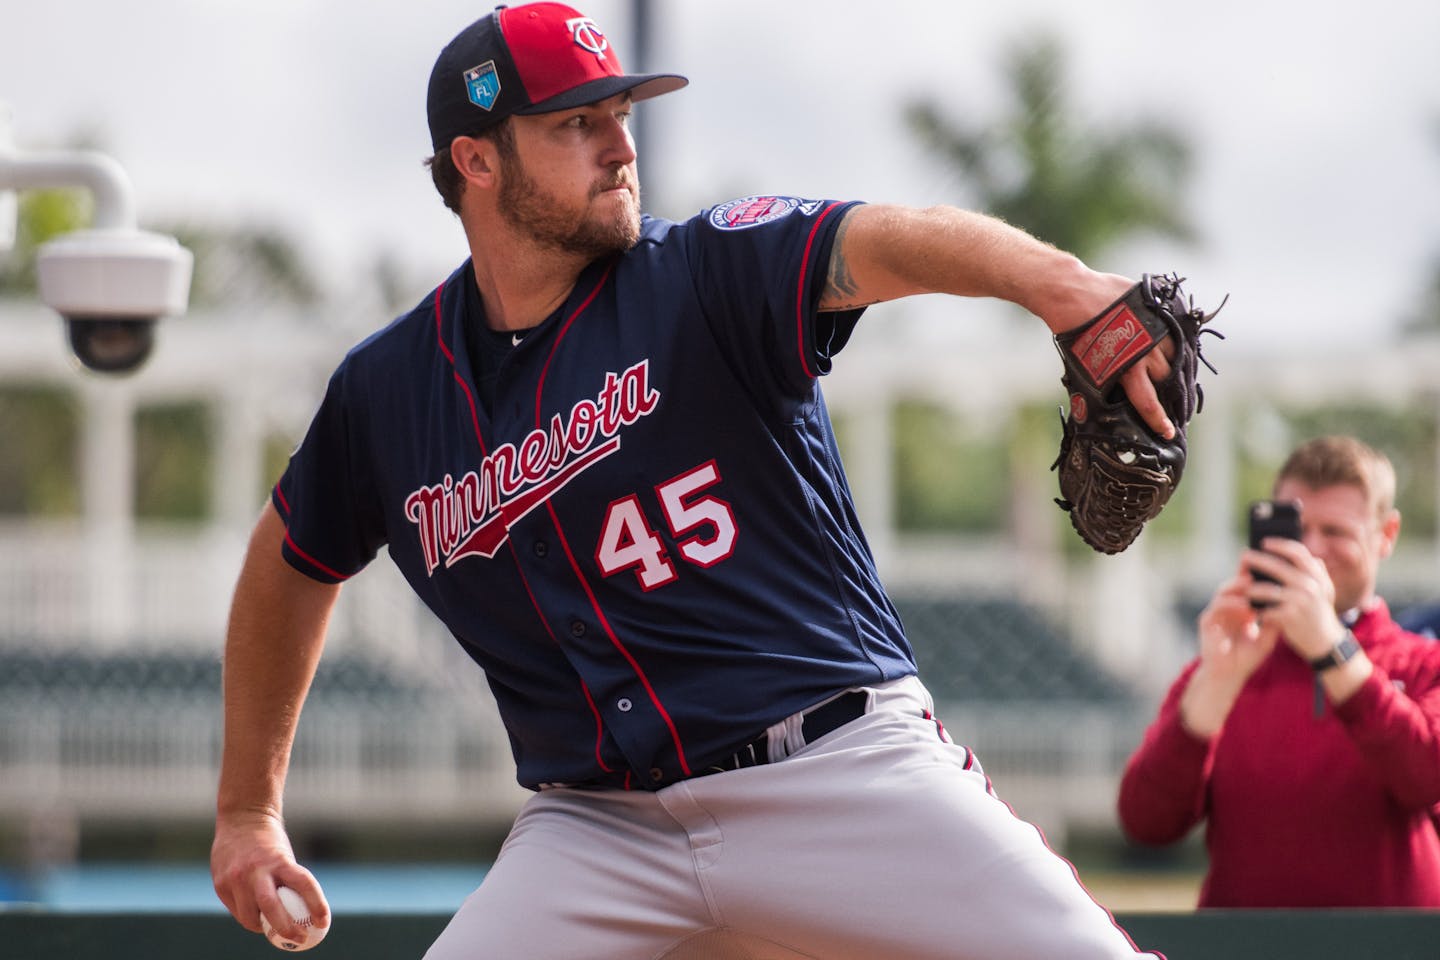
column 300, row 913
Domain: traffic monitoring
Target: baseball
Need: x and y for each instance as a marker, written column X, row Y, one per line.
column 301, row 915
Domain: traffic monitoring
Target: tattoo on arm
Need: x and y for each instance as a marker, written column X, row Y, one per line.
column 841, row 291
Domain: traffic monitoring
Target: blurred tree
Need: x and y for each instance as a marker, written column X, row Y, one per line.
column 41, row 215
column 39, row 425
column 934, row 456
column 39, row 451
column 1046, row 171
column 174, row 447
column 245, row 266
column 1409, row 437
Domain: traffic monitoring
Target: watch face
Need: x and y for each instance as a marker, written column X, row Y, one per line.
column 1343, row 650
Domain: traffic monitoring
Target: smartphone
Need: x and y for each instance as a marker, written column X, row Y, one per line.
column 1272, row 518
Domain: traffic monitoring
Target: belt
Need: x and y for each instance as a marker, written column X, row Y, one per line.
column 814, row 724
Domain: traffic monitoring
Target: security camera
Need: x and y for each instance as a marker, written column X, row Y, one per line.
column 110, row 286
column 110, row 283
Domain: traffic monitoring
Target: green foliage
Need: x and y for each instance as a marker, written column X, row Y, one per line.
column 1061, row 178
column 275, row 459
column 174, row 448
column 243, row 264
column 41, row 215
column 947, row 478
column 1050, row 173
column 39, row 437
column 1409, row 438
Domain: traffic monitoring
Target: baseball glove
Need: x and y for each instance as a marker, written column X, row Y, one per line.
column 1115, row 472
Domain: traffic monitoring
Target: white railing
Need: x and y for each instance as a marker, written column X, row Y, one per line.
column 122, row 758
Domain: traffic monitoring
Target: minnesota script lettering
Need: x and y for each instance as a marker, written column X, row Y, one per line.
column 471, row 516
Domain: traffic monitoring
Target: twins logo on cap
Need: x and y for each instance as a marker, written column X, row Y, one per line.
column 588, row 36
column 482, row 84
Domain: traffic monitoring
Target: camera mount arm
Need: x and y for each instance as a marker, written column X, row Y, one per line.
column 102, row 176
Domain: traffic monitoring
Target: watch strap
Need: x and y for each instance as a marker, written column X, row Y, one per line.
column 1345, row 648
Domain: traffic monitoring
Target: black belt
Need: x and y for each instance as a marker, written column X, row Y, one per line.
column 826, row 718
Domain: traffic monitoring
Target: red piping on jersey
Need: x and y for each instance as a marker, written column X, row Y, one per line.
column 295, row 547
column 570, row 554
column 524, row 582
column 545, row 370
column 455, row 371
column 311, row 560
column 800, row 293
column 599, row 731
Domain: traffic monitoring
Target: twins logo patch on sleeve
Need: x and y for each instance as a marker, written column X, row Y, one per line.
column 751, row 212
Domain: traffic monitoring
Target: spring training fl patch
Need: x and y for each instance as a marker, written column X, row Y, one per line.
column 482, row 84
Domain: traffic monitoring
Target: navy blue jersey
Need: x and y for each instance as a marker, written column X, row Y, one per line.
column 646, row 540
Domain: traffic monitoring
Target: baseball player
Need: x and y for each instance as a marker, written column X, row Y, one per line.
column 598, row 451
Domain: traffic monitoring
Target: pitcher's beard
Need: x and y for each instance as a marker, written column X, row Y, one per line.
column 544, row 218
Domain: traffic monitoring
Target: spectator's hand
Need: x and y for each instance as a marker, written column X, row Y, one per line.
column 250, row 857
column 1302, row 603
column 1232, row 645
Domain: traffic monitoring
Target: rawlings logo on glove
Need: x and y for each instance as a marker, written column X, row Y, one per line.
column 1115, row 472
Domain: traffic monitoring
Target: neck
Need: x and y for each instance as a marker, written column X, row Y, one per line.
column 520, row 284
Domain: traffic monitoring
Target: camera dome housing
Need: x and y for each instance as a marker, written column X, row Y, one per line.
column 110, row 286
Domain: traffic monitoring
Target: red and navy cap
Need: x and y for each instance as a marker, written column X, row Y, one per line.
column 536, row 58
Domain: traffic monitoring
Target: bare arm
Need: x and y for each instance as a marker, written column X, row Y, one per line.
column 886, row 252
column 277, row 630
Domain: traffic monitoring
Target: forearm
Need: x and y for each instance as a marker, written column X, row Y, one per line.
column 885, row 252
column 1162, row 791
column 1206, row 703
column 275, row 636
column 1399, row 736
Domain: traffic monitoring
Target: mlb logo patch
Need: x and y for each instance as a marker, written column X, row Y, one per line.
column 482, row 84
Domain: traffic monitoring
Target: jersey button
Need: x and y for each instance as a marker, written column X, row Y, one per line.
column 624, row 704
column 657, row 774
column 577, row 628
column 541, row 549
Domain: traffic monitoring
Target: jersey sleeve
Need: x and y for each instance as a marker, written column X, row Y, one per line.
column 760, row 267
column 1397, row 729
column 333, row 523
column 1163, row 789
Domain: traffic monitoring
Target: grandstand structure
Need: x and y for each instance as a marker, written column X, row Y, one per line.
column 1046, row 661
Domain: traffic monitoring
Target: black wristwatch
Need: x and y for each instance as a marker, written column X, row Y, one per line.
column 1345, row 648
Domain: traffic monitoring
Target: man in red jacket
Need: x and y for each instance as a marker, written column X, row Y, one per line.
column 1306, row 735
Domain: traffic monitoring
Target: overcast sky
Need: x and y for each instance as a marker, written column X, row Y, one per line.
column 1317, row 189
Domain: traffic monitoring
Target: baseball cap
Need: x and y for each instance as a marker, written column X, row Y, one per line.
column 535, row 58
